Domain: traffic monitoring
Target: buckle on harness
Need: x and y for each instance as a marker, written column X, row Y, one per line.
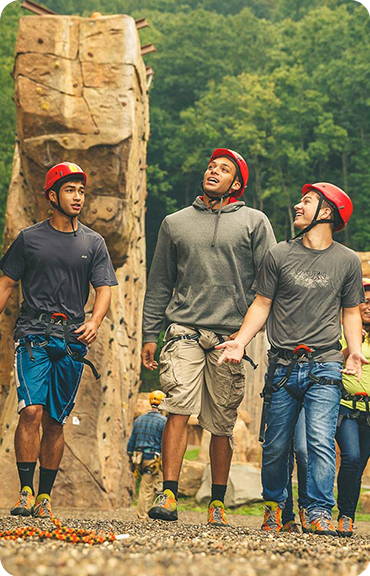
column 301, row 350
column 58, row 318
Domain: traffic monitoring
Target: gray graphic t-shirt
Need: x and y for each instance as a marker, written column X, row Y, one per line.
column 56, row 269
column 308, row 288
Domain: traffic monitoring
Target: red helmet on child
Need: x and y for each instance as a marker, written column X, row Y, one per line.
column 240, row 163
column 62, row 170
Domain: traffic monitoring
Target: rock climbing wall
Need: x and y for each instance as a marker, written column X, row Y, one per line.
column 81, row 95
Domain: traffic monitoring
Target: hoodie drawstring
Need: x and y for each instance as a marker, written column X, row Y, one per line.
column 217, row 223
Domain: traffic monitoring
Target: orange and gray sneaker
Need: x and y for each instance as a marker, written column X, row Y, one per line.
column 164, row 506
column 291, row 527
column 272, row 518
column 42, row 507
column 25, row 503
column 217, row 514
column 345, row 526
column 323, row 526
column 305, row 523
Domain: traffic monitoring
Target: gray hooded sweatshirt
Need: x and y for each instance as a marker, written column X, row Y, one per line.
column 204, row 266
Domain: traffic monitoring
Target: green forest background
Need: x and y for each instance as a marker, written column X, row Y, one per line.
column 284, row 82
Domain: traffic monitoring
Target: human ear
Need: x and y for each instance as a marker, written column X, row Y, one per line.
column 236, row 185
column 52, row 195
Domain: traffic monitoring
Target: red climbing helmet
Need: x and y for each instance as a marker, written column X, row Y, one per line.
column 239, row 161
column 60, row 171
column 335, row 196
column 366, row 283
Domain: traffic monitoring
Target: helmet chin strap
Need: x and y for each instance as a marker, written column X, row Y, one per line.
column 60, row 209
column 314, row 221
column 216, row 199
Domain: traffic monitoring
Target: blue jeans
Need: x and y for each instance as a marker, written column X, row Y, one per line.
column 353, row 437
column 299, row 450
column 321, row 406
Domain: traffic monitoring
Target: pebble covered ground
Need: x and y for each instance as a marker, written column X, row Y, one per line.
column 184, row 548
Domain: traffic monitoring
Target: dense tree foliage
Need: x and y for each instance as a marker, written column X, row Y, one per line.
column 284, row 82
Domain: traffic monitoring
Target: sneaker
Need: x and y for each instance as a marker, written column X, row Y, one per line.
column 164, row 507
column 345, row 526
column 291, row 527
column 217, row 514
column 305, row 523
column 42, row 507
column 272, row 518
column 25, row 503
column 323, row 526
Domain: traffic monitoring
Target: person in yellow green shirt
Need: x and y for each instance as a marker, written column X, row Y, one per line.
column 353, row 433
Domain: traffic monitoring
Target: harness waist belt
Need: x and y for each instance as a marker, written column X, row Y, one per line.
column 207, row 350
column 301, row 351
column 51, row 319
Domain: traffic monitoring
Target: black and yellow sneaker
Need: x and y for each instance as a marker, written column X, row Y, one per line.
column 24, row 505
column 217, row 514
column 42, row 507
column 345, row 527
column 164, row 506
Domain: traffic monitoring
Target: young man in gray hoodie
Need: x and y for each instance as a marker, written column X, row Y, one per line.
column 199, row 288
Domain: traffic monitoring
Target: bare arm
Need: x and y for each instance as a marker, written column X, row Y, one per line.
column 89, row 330
column 254, row 320
column 352, row 326
column 6, row 287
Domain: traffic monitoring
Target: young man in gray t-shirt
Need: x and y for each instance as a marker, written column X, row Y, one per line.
column 302, row 287
column 56, row 261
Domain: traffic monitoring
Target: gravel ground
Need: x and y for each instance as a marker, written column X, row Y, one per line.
column 184, row 548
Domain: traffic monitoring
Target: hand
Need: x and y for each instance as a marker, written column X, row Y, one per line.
column 147, row 356
column 354, row 364
column 88, row 332
column 233, row 352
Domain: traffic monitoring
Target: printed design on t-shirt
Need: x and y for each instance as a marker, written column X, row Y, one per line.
column 310, row 279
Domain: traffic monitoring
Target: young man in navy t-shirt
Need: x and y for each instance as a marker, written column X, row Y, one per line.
column 56, row 261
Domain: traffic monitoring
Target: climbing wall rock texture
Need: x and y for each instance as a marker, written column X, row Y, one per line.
column 81, row 95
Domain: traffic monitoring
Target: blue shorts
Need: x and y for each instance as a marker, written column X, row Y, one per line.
column 51, row 378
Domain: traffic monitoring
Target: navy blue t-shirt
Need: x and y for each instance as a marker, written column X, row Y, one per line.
column 56, row 269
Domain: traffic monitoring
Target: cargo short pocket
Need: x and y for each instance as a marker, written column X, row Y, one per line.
column 237, row 389
column 167, row 375
column 229, row 384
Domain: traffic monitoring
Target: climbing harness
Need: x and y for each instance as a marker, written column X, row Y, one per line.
column 155, row 467
column 62, row 533
column 294, row 356
column 196, row 337
column 51, row 320
column 357, row 414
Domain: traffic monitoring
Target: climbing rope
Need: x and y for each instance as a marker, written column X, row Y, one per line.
column 62, row 533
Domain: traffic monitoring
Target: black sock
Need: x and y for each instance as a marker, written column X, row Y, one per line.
column 47, row 478
column 171, row 485
column 218, row 492
column 26, row 471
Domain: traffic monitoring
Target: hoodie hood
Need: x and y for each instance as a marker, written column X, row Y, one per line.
column 231, row 207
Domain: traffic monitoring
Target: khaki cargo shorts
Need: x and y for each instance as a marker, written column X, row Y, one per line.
column 195, row 384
